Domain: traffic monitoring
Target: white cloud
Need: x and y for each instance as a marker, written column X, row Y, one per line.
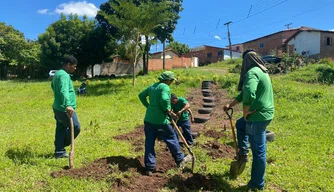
column 43, row 11
column 81, row 8
column 217, row 37
column 332, row 30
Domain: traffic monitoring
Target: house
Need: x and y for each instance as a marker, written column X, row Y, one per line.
column 235, row 54
column 206, row 54
column 169, row 54
column 273, row 43
column 236, row 47
column 209, row 54
column 314, row 43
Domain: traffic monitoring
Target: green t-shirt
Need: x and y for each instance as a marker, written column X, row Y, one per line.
column 63, row 91
column 158, row 105
column 257, row 93
column 179, row 106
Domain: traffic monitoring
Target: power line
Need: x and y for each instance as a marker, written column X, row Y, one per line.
column 259, row 8
column 262, row 11
column 249, row 11
column 247, row 31
column 300, row 14
column 264, row 6
column 245, row 13
column 218, row 24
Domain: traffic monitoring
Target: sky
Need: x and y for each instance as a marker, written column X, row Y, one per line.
column 201, row 23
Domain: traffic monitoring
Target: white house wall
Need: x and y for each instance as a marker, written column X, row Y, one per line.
column 234, row 54
column 306, row 41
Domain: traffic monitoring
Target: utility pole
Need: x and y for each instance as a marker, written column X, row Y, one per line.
column 229, row 36
column 288, row 25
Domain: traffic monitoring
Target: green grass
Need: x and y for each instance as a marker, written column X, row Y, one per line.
column 322, row 73
column 300, row 158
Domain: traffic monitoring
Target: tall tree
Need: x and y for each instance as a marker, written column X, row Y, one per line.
column 29, row 58
column 12, row 43
column 76, row 36
column 163, row 31
column 132, row 20
column 180, row 48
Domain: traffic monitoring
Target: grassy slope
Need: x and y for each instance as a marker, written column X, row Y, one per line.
column 300, row 158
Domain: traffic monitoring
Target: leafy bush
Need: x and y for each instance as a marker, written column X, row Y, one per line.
column 321, row 73
column 236, row 69
column 324, row 61
column 326, row 74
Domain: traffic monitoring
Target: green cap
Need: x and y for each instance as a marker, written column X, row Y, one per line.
column 167, row 75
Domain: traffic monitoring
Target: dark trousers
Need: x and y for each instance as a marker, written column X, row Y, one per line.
column 63, row 131
column 167, row 134
column 185, row 125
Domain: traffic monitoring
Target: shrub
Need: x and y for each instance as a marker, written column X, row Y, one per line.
column 236, row 69
column 324, row 61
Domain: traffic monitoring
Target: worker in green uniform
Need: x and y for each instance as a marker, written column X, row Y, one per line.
column 157, row 123
column 64, row 106
column 180, row 110
column 256, row 96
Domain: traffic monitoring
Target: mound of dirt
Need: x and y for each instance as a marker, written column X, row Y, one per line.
column 195, row 182
column 101, row 168
column 136, row 138
column 215, row 134
column 217, row 150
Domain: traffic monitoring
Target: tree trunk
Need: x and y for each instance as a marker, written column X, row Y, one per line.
column 147, row 60
column 144, row 64
column 92, row 70
column 145, row 55
column 5, row 71
column 135, row 61
column 134, row 75
column 163, row 55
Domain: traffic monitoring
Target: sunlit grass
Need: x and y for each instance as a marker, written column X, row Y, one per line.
column 300, row 158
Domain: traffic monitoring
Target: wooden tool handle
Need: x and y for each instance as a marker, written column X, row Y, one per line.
column 71, row 157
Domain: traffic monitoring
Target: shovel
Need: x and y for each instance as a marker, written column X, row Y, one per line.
column 237, row 167
column 185, row 143
column 71, row 157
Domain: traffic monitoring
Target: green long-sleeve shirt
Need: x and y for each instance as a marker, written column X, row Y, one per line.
column 158, row 105
column 63, row 91
column 257, row 93
column 179, row 106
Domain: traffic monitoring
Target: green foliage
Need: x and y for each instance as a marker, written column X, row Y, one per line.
column 289, row 61
column 163, row 15
column 72, row 36
column 229, row 82
column 180, row 48
column 133, row 19
column 236, row 69
column 12, row 42
column 166, row 29
column 30, row 55
column 319, row 73
column 234, row 61
column 324, row 61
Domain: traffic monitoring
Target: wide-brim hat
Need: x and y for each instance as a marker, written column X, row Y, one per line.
column 167, row 75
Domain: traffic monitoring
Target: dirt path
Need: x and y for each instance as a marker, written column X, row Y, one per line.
column 131, row 170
